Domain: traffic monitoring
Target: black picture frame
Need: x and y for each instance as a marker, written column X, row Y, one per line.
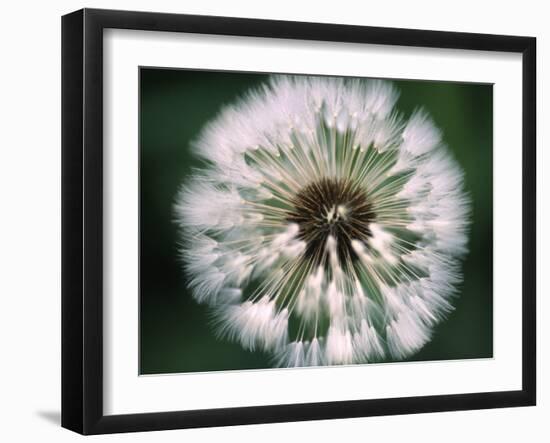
column 82, row 220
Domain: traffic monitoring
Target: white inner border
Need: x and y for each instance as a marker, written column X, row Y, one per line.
column 126, row 392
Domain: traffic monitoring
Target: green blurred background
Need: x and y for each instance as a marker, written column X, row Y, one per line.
column 175, row 331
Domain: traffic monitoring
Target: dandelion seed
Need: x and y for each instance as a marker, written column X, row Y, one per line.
column 325, row 228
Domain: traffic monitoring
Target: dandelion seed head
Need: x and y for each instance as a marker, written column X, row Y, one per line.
column 325, row 227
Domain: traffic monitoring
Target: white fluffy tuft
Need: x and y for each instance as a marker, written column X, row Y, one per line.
column 268, row 289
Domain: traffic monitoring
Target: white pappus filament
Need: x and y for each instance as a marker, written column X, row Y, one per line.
column 325, row 227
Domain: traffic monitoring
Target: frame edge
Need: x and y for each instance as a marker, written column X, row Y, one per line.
column 529, row 235
column 72, row 221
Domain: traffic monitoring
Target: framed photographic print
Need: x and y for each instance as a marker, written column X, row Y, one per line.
column 270, row 221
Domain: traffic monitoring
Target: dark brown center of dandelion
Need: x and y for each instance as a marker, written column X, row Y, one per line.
column 334, row 207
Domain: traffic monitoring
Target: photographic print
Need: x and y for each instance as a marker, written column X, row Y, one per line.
column 254, row 209
column 299, row 220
